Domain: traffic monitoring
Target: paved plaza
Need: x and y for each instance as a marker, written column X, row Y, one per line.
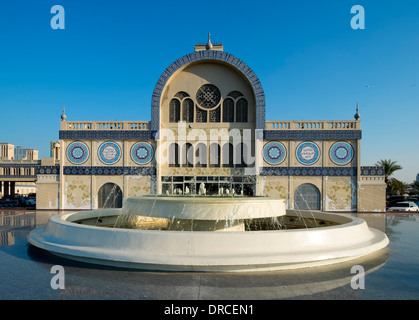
column 25, row 272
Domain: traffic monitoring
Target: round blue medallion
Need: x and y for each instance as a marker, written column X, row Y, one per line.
column 142, row 153
column 341, row 153
column 109, row 152
column 274, row 153
column 308, row 153
column 77, row 153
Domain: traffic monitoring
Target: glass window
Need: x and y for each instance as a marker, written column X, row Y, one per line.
column 214, row 115
column 307, row 197
column 188, row 110
column 215, row 155
column 201, row 115
column 241, row 110
column 174, row 155
column 228, row 110
column 228, row 152
column 110, row 196
column 188, row 155
column 201, row 155
column 174, row 110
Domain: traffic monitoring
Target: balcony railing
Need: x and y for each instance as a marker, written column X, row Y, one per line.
column 105, row 125
column 313, row 125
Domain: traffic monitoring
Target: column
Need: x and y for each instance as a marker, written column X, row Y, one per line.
column 12, row 188
column 6, row 189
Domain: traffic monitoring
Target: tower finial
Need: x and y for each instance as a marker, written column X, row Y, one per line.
column 357, row 115
column 209, row 44
column 63, row 116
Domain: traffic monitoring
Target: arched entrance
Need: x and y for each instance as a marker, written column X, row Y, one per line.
column 307, row 197
column 110, row 196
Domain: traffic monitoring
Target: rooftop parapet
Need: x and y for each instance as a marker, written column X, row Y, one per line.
column 313, row 125
column 105, row 125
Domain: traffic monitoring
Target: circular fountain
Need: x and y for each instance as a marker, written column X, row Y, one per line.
column 207, row 234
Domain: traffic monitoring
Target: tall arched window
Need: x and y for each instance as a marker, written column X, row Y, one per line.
column 188, row 110
column 201, row 155
column 174, row 110
column 228, row 155
column 110, row 196
column 307, row 197
column 215, row 155
column 228, row 110
column 187, row 155
column 174, row 155
column 241, row 110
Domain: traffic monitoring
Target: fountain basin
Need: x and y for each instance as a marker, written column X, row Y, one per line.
column 204, row 208
column 345, row 239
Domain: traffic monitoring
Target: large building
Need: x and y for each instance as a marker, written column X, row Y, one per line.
column 208, row 135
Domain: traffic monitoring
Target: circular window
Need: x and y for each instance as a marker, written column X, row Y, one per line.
column 77, row 153
column 109, row 152
column 208, row 96
column 341, row 153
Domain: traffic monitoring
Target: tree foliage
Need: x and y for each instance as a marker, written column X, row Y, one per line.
column 394, row 186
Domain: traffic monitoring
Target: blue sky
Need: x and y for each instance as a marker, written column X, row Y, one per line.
column 311, row 63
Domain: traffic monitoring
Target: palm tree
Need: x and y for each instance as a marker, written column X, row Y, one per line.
column 389, row 168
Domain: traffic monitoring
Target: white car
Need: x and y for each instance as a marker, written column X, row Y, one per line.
column 404, row 206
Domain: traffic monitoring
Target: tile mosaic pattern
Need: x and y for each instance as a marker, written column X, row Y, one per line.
column 372, row 171
column 274, row 153
column 341, row 153
column 109, row 171
column 77, row 153
column 308, row 171
column 307, row 153
column 142, row 153
column 109, row 152
column 48, row 170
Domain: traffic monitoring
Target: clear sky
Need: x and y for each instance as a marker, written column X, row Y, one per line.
column 311, row 63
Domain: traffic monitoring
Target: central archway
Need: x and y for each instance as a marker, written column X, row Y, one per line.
column 209, row 55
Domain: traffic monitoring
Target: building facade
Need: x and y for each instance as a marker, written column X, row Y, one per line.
column 208, row 135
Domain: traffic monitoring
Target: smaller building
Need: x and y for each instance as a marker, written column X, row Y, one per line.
column 7, row 151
